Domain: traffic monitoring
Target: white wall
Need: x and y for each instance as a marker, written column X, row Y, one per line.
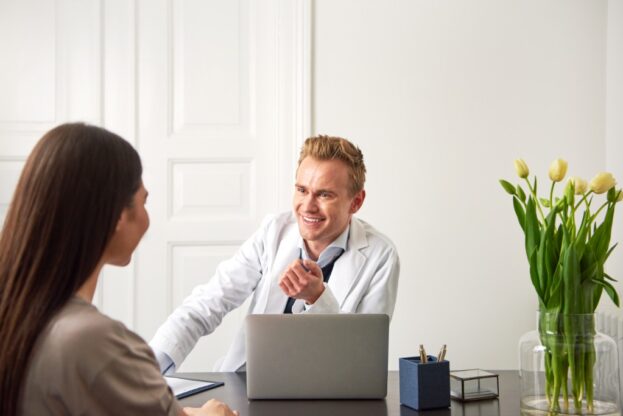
column 442, row 96
column 614, row 127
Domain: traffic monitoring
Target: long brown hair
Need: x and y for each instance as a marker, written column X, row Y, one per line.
column 70, row 195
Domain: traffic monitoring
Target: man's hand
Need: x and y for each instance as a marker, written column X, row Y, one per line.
column 302, row 279
column 211, row 408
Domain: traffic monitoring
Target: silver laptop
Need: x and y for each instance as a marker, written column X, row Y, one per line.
column 317, row 356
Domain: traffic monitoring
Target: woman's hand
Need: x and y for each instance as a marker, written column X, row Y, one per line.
column 211, row 408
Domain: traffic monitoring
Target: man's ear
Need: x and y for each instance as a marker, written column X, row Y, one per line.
column 357, row 201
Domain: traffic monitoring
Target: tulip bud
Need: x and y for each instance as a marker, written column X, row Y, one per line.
column 570, row 193
column 558, row 170
column 580, row 185
column 521, row 168
column 602, row 182
column 620, row 195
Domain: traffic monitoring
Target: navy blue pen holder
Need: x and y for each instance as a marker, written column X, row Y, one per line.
column 424, row 385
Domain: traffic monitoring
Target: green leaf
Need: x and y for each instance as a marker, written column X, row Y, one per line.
column 601, row 237
column 521, row 214
column 589, row 264
column 612, row 279
column 508, row 187
column 545, row 202
column 590, row 201
column 534, row 186
column 534, row 276
column 571, row 281
column 532, row 238
column 543, row 278
column 559, row 237
column 612, row 194
column 598, row 289
column 532, row 227
column 566, row 237
column 520, row 193
column 543, row 259
column 610, row 290
column 610, row 251
column 580, row 238
column 554, row 297
column 585, row 226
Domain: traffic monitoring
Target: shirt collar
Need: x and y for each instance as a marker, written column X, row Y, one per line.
column 333, row 250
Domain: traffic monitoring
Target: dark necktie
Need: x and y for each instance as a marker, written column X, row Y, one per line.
column 326, row 273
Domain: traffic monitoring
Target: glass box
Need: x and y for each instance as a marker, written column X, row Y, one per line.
column 466, row 385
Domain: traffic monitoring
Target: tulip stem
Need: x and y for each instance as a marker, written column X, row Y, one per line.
column 573, row 227
column 583, row 200
column 536, row 200
column 599, row 210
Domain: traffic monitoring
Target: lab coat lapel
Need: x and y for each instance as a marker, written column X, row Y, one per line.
column 347, row 268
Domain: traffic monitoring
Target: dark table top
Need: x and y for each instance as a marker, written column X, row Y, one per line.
column 234, row 393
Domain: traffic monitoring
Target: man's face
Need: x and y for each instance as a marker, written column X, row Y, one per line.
column 322, row 202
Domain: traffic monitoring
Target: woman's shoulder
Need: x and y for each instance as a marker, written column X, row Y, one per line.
column 92, row 361
column 80, row 322
column 82, row 338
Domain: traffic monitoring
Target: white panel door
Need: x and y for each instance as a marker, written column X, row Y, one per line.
column 50, row 73
column 211, row 131
column 214, row 95
column 66, row 60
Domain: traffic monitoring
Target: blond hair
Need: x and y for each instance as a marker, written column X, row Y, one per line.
column 330, row 148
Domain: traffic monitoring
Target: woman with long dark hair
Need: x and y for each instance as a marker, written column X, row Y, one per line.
column 79, row 204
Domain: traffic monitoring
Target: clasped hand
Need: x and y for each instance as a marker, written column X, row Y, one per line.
column 302, row 279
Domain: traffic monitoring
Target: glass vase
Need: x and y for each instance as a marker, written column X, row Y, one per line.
column 566, row 367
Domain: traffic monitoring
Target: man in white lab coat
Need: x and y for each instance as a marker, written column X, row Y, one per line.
column 316, row 259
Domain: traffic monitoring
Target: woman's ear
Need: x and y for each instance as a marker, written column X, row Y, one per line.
column 123, row 219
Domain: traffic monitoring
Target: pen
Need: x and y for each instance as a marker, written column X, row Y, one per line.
column 442, row 353
column 423, row 358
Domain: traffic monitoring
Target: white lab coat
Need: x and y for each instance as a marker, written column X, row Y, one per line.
column 364, row 280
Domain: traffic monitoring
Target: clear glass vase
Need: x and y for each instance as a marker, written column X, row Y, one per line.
column 568, row 368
